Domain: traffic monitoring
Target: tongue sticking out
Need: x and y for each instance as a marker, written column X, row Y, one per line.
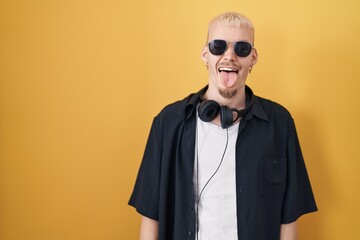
column 228, row 78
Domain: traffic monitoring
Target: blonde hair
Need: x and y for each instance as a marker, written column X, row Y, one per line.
column 231, row 19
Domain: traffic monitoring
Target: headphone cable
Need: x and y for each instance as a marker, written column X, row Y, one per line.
column 197, row 179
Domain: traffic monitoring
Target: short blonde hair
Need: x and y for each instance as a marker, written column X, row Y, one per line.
column 231, row 19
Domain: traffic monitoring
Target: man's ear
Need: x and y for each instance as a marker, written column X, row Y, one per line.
column 254, row 57
column 204, row 54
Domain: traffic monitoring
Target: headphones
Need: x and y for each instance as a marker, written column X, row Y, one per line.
column 208, row 110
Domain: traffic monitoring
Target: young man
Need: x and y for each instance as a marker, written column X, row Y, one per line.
column 223, row 163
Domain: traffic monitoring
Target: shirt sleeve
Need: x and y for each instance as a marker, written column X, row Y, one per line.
column 299, row 198
column 145, row 196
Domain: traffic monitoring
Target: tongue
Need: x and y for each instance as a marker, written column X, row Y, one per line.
column 228, row 78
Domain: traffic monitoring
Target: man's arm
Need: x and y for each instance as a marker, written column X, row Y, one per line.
column 149, row 229
column 288, row 231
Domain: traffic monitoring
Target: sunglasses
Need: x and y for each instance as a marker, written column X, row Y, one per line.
column 218, row 47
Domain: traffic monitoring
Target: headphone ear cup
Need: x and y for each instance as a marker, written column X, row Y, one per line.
column 226, row 117
column 208, row 110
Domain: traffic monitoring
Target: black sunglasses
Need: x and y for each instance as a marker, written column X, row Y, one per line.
column 219, row 47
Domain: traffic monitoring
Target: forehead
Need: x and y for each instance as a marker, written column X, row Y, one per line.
column 231, row 33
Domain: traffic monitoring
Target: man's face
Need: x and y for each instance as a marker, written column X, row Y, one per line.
column 228, row 72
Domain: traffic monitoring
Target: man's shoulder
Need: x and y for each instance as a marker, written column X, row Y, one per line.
column 177, row 109
column 273, row 109
column 177, row 106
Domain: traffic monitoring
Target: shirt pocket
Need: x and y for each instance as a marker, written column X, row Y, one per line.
column 273, row 176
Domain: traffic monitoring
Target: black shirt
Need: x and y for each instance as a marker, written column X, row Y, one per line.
column 272, row 184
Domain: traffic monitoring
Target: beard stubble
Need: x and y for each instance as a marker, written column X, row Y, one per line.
column 226, row 93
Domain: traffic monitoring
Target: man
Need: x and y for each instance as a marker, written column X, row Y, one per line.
column 223, row 163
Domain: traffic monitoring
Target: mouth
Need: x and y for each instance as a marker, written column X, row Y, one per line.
column 228, row 76
column 227, row 69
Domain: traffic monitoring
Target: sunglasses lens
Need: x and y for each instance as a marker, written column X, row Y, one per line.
column 242, row 49
column 217, row 47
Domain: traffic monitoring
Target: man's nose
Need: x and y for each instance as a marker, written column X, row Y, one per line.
column 229, row 53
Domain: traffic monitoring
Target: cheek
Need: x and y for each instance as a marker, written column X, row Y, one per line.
column 213, row 72
column 212, row 63
column 215, row 60
column 245, row 63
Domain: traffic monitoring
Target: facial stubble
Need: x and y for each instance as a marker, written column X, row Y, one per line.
column 226, row 93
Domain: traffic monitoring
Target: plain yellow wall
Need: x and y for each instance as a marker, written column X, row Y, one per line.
column 81, row 80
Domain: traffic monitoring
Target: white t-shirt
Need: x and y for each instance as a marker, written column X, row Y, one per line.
column 217, row 205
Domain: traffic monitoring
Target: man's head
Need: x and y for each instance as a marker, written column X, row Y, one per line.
column 229, row 53
column 231, row 19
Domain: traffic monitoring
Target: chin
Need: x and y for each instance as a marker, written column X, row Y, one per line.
column 227, row 93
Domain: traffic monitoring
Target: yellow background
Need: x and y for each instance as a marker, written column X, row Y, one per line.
column 80, row 81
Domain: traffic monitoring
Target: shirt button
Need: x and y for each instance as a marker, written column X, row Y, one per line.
column 190, row 233
column 191, row 208
column 275, row 162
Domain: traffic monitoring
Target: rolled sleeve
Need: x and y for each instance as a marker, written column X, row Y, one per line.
column 299, row 198
column 145, row 196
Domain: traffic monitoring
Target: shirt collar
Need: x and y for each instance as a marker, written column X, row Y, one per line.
column 255, row 108
column 194, row 99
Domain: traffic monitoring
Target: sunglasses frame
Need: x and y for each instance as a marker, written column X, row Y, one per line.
column 211, row 50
